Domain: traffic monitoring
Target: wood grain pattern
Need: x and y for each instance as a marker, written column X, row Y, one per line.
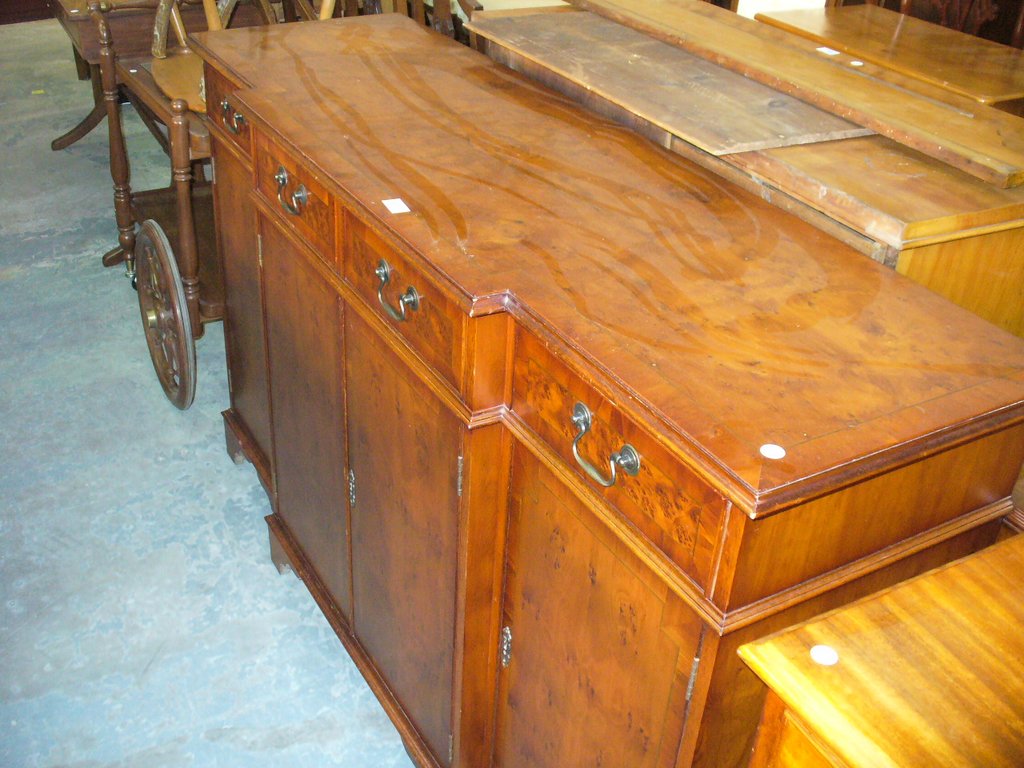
column 404, row 449
column 244, row 334
column 228, row 126
column 738, row 324
column 979, row 140
column 784, row 551
column 600, row 650
column 985, row 274
column 676, row 510
column 304, row 351
column 736, row 695
column 434, row 330
column 315, row 218
column 707, row 105
column 784, row 742
column 928, row 672
column 976, row 68
column 891, row 194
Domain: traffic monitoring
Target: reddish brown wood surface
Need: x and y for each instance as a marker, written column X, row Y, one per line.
column 243, row 324
column 304, row 351
column 737, row 324
column 404, row 450
column 600, row 654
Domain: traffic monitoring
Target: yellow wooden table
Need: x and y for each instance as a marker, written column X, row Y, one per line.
column 987, row 72
column 927, row 673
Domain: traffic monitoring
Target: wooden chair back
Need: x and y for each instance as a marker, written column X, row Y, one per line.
column 438, row 15
column 178, row 72
column 218, row 16
column 962, row 15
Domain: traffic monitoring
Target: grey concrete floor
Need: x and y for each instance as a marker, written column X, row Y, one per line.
column 141, row 621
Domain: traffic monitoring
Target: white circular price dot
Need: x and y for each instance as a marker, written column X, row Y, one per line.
column 772, row 451
column 825, row 655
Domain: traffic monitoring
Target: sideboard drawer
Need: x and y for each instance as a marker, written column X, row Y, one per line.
column 222, row 111
column 665, row 500
column 293, row 191
column 405, row 298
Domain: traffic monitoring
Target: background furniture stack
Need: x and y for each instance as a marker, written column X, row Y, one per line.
column 932, row 190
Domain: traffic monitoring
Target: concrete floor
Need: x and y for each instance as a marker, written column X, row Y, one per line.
column 142, row 623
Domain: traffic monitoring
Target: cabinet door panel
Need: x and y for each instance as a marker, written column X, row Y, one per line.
column 304, row 344
column 404, row 451
column 601, row 652
column 243, row 320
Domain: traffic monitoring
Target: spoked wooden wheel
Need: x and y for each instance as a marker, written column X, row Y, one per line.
column 165, row 315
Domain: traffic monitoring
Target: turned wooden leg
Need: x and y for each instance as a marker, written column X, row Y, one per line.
column 187, row 252
column 119, row 173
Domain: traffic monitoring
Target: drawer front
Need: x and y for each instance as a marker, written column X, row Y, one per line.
column 405, row 299
column 220, row 108
column 292, row 190
column 676, row 510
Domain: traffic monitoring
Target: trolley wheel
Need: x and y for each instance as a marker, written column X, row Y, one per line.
column 165, row 315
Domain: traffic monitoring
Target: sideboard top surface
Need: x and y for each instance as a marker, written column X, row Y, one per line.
column 731, row 323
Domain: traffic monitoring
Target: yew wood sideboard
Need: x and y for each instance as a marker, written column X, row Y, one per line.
column 926, row 674
column 552, row 419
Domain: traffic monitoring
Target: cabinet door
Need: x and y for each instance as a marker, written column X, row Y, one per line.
column 243, row 318
column 404, row 450
column 304, row 346
column 596, row 652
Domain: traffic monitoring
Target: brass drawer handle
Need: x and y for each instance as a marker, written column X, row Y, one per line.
column 627, row 457
column 410, row 299
column 299, row 197
column 233, row 121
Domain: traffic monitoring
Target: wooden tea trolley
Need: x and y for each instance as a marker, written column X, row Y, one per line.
column 171, row 256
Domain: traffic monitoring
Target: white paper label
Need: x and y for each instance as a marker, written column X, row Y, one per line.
column 827, row 51
column 396, row 205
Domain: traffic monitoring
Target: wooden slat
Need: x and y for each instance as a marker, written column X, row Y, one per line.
column 980, row 140
column 715, row 109
column 981, row 70
column 891, row 192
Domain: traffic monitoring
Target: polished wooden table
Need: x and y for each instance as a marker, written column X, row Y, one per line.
column 927, row 674
column 963, row 64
